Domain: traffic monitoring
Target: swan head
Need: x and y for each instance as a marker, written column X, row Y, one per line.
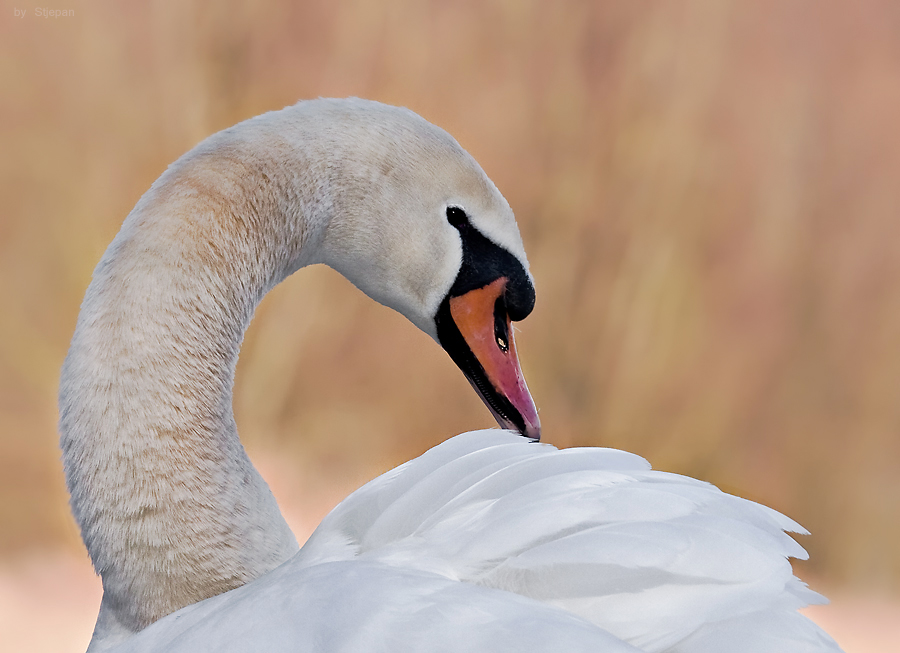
column 419, row 227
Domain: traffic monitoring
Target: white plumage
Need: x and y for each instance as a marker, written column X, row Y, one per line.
column 491, row 543
column 488, row 542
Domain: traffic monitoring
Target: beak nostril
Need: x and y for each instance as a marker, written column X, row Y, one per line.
column 501, row 322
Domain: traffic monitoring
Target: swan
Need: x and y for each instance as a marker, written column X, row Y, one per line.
column 490, row 541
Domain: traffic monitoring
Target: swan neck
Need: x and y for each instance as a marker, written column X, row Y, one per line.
column 170, row 507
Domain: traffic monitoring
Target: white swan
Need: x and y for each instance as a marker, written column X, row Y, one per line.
column 488, row 542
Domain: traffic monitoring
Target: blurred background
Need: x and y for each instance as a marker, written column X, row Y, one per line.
column 707, row 189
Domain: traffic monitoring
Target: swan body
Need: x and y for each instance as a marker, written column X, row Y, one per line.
column 489, row 541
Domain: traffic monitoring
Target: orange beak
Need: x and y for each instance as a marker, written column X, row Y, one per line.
column 482, row 321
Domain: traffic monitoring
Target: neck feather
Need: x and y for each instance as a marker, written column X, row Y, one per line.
column 170, row 507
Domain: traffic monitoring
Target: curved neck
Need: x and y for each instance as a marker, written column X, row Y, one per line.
column 170, row 507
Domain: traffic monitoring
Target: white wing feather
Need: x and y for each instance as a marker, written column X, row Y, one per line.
column 491, row 543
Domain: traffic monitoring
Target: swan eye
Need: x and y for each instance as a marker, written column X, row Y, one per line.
column 457, row 217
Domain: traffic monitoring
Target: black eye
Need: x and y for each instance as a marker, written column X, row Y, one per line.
column 457, row 217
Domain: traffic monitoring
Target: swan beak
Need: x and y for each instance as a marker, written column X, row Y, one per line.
column 482, row 320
